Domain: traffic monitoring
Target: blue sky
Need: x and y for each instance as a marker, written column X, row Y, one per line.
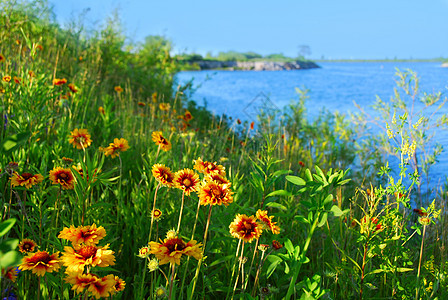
column 331, row 28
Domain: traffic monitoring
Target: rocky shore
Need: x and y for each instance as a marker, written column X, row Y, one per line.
column 255, row 65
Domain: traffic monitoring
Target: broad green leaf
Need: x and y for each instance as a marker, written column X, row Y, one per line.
column 276, row 205
column 289, row 247
column 401, row 270
column 295, row 180
column 6, row 226
column 323, row 220
column 301, row 219
column 308, row 175
column 9, row 259
column 337, row 211
column 279, row 193
column 271, row 267
column 328, row 199
column 13, row 141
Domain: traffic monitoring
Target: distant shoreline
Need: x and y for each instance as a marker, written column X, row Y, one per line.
column 252, row 65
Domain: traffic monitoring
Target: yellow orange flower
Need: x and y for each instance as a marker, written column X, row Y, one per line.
column 73, row 88
column 26, row 179
column 10, row 273
column 158, row 138
column 143, row 252
column 77, row 257
column 118, row 145
column 215, row 194
column 118, row 89
column 101, row 110
column 141, row 104
column 27, row 245
column 186, row 180
column 262, row 215
column 172, row 249
column 98, row 287
column 58, row 81
column 64, row 177
column 276, row 245
column 2, row 90
column 2, row 58
column 67, row 160
column 119, row 285
column 40, row 47
column 157, row 214
column 103, row 287
column 188, row 116
column 154, row 97
column 163, row 175
column 31, row 74
column 80, row 138
column 17, row 79
column 88, row 235
column 41, row 262
column 164, row 106
column 153, row 264
column 217, row 178
column 245, row 228
column 81, row 172
column 208, row 168
column 6, row 78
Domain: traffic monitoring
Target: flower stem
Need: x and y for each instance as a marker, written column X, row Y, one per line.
column 417, row 288
column 196, row 275
column 171, row 280
column 152, row 212
column 239, row 269
column 181, row 210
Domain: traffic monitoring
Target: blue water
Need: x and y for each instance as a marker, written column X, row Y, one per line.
column 334, row 87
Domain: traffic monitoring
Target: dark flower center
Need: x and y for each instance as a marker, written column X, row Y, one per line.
column 87, row 251
column 26, row 176
column 175, row 244
column 41, row 257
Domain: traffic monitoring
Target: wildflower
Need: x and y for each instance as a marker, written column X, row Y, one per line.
column 41, row 262
column 6, row 78
column 164, row 106
column 73, row 88
column 101, row 110
column 58, row 81
column 163, row 175
column 80, row 138
column 208, row 168
column 2, row 91
column 276, row 245
column 119, row 285
column 424, row 221
column 238, row 121
column 186, row 180
column 153, row 264
column 102, row 287
column 188, row 116
column 80, row 281
column 252, row 125
column 141, row 104
column 143, row 252
column 245, row 228
column 420, row 212
column 262, row 215
column 118, row 89
column 172, row 249
column 163, row 143
column 88, row 235
column 2, row 58
column 77, row 257
column 160, row 292
column 263, row 247
column 215, row 194
column 39, row 47
column 217, row 178
column 157, row 214
column 67, row 161
column 118, row 145
column 27, row 245
column 301, row 164
column 10, row 273
column 154, row 97
column 64, row 177
column 17, row 80
column 31, row 74
column 171, row 234
column 26, row 179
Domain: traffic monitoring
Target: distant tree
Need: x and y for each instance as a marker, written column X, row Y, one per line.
column 252, row 55
column 304, row 51
column 279, row 56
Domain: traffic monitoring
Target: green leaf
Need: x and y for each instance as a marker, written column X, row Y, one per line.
column 271, row 267
column 308, row 175
column 323, row 220
column 15, row 140
column 328, row 199
column 6, row 226
column 9, row 259
column 301, row 219
column 289, row 247
column 295, row 180
column 279, row 193
column 336, row 211
column 9, row 245
column 276, row 205
column 401, row 270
